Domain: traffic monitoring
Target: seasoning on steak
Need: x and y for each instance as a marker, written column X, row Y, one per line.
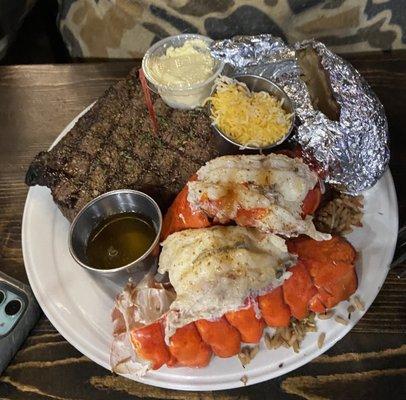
column 113, row 146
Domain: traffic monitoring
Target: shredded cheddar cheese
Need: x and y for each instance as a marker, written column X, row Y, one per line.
column 249, row 118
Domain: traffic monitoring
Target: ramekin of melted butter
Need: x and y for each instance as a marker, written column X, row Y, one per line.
column 182, row 70
column 117, row 234
column 119, row 240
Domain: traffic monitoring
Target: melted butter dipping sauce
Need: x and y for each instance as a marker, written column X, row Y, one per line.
column 119, row 240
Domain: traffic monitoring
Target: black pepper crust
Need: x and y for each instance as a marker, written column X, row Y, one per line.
column 113, row 146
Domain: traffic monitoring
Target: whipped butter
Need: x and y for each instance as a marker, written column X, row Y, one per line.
column 182, row 70
column 185, row 66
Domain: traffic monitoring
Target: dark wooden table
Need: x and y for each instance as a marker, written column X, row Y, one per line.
column 36, row 102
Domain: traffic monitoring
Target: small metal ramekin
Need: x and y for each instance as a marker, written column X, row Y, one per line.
column 107, row 204
column 257, row 84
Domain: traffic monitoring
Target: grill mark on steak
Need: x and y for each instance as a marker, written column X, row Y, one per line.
column 113, row 146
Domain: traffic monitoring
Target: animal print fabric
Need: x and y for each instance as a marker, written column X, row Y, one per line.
column 126, row 28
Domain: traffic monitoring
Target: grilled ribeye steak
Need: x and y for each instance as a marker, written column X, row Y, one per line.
column 113, row 146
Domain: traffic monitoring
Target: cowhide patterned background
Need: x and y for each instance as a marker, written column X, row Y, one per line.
column 126, row 28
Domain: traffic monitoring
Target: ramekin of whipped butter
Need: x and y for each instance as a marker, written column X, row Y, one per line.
column 182, row 70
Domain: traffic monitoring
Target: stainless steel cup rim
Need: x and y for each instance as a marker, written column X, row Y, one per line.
column 274, row 144
column 91, row 203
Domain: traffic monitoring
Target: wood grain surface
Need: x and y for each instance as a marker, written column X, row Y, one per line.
column 36, row 103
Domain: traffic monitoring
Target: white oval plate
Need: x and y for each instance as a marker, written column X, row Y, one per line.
column 79, row 304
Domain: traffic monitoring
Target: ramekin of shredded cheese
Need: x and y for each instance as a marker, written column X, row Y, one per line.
column 260, row 118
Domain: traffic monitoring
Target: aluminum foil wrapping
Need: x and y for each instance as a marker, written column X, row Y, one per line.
column 353, row 150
